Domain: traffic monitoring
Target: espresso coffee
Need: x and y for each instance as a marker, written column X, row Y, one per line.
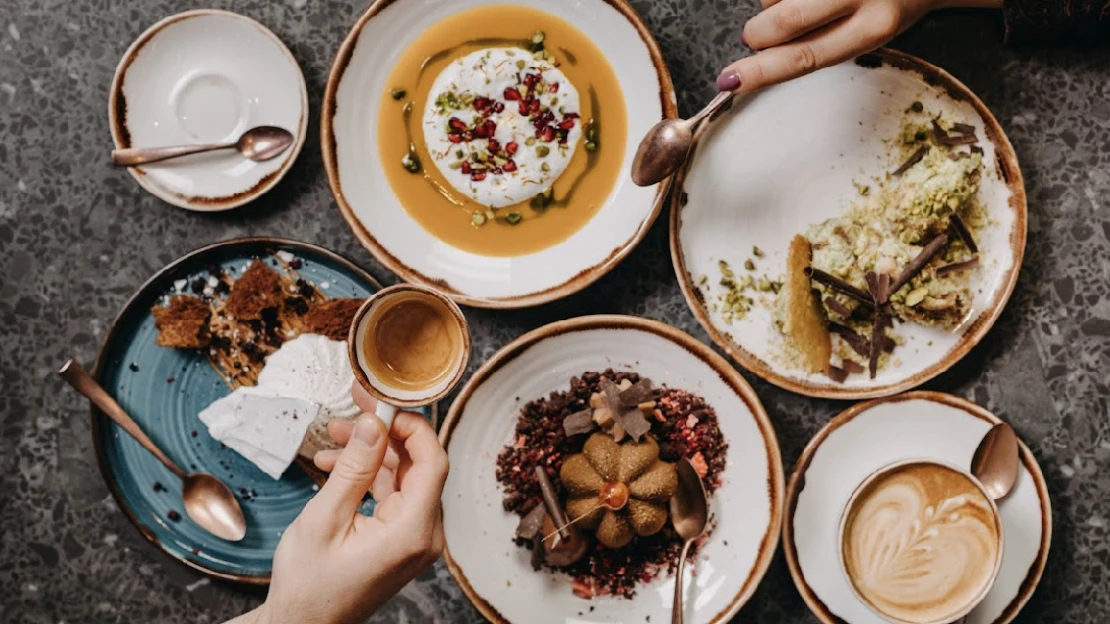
column 921, row 543
column 414, row 343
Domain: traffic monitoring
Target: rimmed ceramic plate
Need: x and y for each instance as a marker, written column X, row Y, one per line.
column 868, row 436
column 207, row 76
column 164, row 389
column 496, row 575
column 786, row 158
column 349, row 141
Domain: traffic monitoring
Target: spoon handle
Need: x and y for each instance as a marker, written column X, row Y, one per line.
column 75, row 374
column 722, row 98
column 677, row 610
column 132, row 156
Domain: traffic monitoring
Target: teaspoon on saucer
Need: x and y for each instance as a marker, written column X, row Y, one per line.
column 258, row 144
column 208, row 501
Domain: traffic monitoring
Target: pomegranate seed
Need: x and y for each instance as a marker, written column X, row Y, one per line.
column 498, row 107
column 481, row 103
column 553, row 87
column 523, row 108
column 530, row 80
column 547, row 134
column 566, row 124
column 535, row 108
column 497, row 171
column 465, row 168
column 511, row 147
column 491, row 127
column 454, row 138
column 481, row 132
column 510, row 166
column 456, row 124
column 468, row 136
column 570, row 116
column 494, row 146
column 478, row 176
column 511, row 94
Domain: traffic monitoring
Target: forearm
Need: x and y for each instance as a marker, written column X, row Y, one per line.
column 256, row 616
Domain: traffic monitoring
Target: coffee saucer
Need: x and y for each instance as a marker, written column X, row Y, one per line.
column 206, row 76
column 868, row 436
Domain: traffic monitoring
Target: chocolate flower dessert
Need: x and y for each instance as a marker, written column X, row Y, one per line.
column 619, row 490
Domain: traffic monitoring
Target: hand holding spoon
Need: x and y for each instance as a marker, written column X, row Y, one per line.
column 207, row 500
column 689, row 515
column 666, row 146
column 257, row 144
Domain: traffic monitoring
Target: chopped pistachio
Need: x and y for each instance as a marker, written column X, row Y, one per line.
column 530, row 141
column 591, row 146
column 520, row 64
column 749, row 265
column 513, row 217
column 455, row 165
column 545, row 167
column 478, row 218
column 756, row 251
column 538, row 55
column 703, row 280
column 764, row 284
column 542, row 150
column 916, row 296
column 490, row 215
column 411, row 163
column 538, row 37
column 397, row 94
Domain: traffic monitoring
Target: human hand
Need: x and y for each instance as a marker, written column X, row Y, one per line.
column 336, row 566
column 795, row 37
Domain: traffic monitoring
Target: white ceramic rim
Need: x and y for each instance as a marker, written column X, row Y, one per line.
column 117, row 112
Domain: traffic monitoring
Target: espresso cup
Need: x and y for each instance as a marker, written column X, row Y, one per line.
column 920, row 542
column 409, row 346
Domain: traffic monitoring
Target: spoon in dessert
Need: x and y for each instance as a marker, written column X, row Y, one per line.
column 995, row 462
column 257, row 144
column 667, row 145
column 207, row 500
column 689, row 515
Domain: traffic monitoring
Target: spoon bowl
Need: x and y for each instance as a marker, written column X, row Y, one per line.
column 689, row 515
column 208, row 501
column 264, row 142
column 995, row 462
column 667, row 145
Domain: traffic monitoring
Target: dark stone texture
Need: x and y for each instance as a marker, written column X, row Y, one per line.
column 77, row 238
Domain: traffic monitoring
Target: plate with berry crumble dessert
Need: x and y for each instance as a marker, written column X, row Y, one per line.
column 231, row 358
column 483, row 147
column 563, row 451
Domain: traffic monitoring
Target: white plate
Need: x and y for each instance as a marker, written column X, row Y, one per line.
column 496, row 575
column 786, row 158
column 206, row 76
column 868, row 436
column 359, row 77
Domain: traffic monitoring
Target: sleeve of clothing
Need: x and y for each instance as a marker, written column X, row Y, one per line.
column 1056, row 21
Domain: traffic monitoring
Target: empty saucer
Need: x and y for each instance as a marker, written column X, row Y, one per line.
column 207, row 76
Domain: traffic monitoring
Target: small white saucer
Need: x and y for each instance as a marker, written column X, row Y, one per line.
column 206, row 76
column 871, row 435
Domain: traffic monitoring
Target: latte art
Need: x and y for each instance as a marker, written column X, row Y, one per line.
column 921, row 543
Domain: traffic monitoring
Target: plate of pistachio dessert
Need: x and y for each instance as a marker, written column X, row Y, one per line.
column 854, row 244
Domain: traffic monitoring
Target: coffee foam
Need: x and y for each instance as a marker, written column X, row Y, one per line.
column 921, row 543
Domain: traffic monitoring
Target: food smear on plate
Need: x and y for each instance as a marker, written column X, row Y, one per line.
column 280, row 345
column 502, row 130
column 605, row 451
column 904, row 251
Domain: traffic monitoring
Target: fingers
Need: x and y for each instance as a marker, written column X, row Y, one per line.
column 354, row 471
column 787, row 20
column 340, row 430
column 829, row 45
column 422, row 483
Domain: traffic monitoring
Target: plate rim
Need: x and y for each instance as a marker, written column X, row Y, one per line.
column 574, row 284
column 816, row 607
column 1006, row 160
column 727, row 373
column 117, row 115
column 97, row 420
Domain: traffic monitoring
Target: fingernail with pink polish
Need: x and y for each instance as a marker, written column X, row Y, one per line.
column 728, row 81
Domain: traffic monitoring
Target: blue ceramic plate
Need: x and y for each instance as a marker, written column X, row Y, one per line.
column 164, row 389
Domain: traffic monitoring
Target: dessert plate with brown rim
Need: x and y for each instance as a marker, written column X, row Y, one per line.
column 868, row 436
column 424, row 211
column 207, row 76
column 797, row 154
column 164, row 390
column 746, row 509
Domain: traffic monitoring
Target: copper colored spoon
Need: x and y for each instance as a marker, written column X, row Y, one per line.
column 257, row 144
column 689, row 515
column 667, row 145
column 995, row 462
column 207, row 500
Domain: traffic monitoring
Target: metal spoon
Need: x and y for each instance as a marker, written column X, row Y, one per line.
column 258, row 144
column 667, row 145
column 995, row 462
column 689, row 515
column 207, row 500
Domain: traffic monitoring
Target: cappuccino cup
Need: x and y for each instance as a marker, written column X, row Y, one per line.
column 920, row 542
column 408, row 346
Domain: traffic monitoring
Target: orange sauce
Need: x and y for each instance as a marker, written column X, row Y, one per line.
column 578, row 193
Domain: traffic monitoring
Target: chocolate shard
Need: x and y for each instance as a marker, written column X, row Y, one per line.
column 852, row 366
column 531, row 523
column 637, row 394
column 963, row 128
column 841, row 310
column 957, row 139
column 579, row 422
column 928, row 252
column 634, row 422
column 837, row 374
column 959, row 228
column 838, row 284
column 913, row 159
column 537, row 552
column 954, row 267
column 975, row 149
column 858, row 343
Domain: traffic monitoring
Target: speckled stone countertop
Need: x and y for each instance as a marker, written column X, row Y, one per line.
column 77, row 237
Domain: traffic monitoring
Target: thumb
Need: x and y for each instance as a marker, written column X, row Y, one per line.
column 355, row 469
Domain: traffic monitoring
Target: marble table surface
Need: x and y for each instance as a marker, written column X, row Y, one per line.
column 77, row 237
